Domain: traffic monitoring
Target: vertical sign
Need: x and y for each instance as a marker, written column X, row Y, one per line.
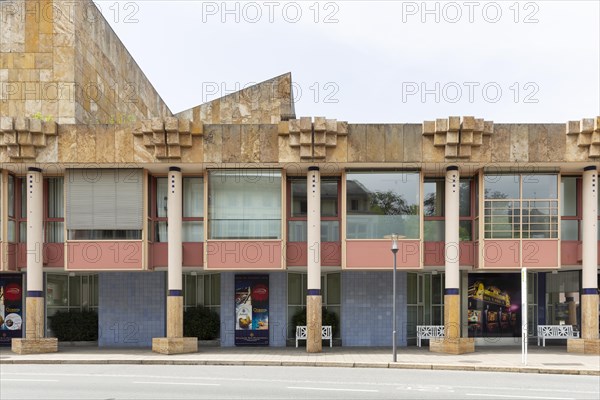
column 252, row 310
column 11, row 308
column 524, row 335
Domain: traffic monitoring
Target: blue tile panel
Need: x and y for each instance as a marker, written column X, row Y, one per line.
column 132, row 308
column 367, row 308
column 277, row 308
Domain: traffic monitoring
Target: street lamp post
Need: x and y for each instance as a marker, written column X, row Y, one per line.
column 394, row 252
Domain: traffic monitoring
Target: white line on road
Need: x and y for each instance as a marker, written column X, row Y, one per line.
column 519, row 397
column 179, row 383
column 332, row 389
column 27, row 380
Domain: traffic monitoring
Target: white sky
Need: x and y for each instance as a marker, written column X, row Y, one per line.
column 374, row 62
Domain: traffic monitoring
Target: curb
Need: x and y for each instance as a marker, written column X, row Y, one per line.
column 324, row 364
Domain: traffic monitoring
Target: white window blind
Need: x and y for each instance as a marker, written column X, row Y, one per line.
column 104, row 199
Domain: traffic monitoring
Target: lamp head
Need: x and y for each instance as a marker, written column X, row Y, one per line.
column 394, row 242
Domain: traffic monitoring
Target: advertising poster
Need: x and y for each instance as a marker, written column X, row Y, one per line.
column 11, row 308
column 494, row 305
column 252, row 310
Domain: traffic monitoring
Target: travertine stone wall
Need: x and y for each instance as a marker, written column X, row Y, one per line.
column 61, row 61
column 267, row 102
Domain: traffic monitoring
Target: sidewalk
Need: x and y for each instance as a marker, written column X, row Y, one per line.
column 550, row 360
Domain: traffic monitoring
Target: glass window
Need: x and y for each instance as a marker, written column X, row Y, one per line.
column 161, row 197
column 330, row 231
column 501, row 186
column 568, row 190
column 245, row 204
column 329, row 197
column 193, row 231
column 298, row 198
column 57, row 291
column 433, row 202
column 465, row 198
column 465, row 227
column 105, row 234
column 193, row 197
column 11, row 196
column 569, row 229
column 434, row 231
column 382, row 203
column 161, row 232
column 540, row 186
column 23, row 182
column 333, row 283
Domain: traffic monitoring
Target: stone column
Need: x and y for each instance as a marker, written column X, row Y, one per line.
column 34, row 341
column 589, row 342
column 452, row 342
column 313, row 298
column 175, row 343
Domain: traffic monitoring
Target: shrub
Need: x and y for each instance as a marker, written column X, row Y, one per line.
column 327, row 318
column 201, row 322
column 75, row 326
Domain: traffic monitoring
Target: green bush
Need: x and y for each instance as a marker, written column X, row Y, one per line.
column 201, row 322
column 75, row 326
column 327, row 318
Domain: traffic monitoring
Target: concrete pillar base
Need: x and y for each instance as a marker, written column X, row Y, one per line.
column 174, row 316
column 313, row 324
column 584, row 346
column 35, row 346
column 180, row 345
column 452, row 346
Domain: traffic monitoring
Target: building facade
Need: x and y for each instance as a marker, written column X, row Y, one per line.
column 110, row 202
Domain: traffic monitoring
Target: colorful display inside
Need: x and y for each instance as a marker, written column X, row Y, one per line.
column 252, row 310
column 11, row 308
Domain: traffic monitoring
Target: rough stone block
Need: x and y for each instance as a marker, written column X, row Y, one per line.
column 596, row 137
column 439, row 139
column 454, row 124
column 185, row 139
column 283, row 128
column 319, row 137
column 451, row 151
column 584, row 346
column 38, row 139
column 342, row 127
column 10, row 138
column 22, row 124
column 181, row 345
column 320, row 124
column 477, row 139
column 597, row 123
column 594, row 150
column 159, row 137
column 319, row 151
column 331, row 139
column 479, row 125
column 466, row 137
column 158, row 125
column 452, row 346
column 468, row 123
column 452, row 137
column 6, row 124
column 573, row 128
column 305, row 151
column 294, row 125
column 35, row 125
column 464, row 151
column 184, row 125
column 160, row 151
column 441, row 125
column 306, row 137
column 488, row 127
column 49, row 128
column 172, row 137
column 428, row 127
column 147, row 126
column 34, row 346
column 24, row 138
column 294, row 139
column 171, row 124
column 587, row 125
column 584, row 139
column 331, row 125
column 27, row 151
column 196, row 128
column 305, row 124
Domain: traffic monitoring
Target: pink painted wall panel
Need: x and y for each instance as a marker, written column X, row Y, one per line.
column 104, row 255
column 54, row 255
column 296, row 254
column 501, row 253
column 160, row 254
column 248, row 255
column 376, row 254
column 467, row 253
column 570, row 252
column 540, row 253
column 193, row 254
column 433, row 253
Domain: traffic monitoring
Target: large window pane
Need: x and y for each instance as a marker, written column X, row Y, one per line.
column 329, row 197
column 333, row 289
column 193, row 197
column 330, row 231
column 382, row 203
column 75, row 291
column 57, row 292
column 434, row 231
column 245, row 204
column 295, row 293
column 465, row 198
column 433, row 201
column 24, row 197
column 569, row 229
column 55, row 232
column 501, row 186
column 161, row 197
column 568, row 189
column 161, row 232
column 193, row 231
column 298, row 200
column 56, row 207
column 540, row 186
column 465, row 230
column 11, row 196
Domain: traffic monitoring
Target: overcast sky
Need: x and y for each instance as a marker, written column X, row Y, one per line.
column 375, row 61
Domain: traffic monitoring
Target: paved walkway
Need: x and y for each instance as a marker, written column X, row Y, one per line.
column 553, row 359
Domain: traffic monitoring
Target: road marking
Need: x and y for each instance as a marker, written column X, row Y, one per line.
column 332, row 389
column 179, row 383
column 28, row 380
column 519, row 397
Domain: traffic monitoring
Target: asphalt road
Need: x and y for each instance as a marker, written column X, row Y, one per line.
column 233, row 382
